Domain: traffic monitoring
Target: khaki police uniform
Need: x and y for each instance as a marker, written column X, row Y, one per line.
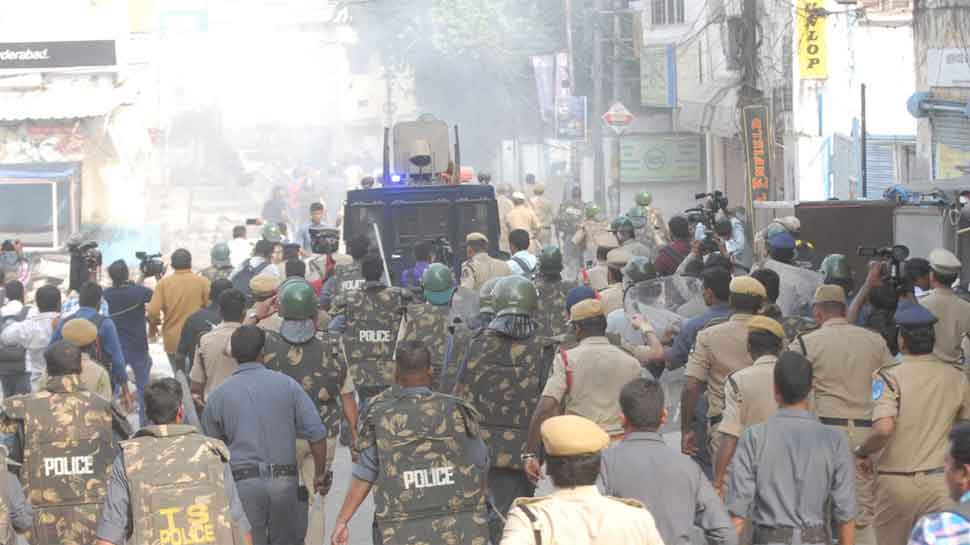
column 612, row 296
column 545, row 213
column 589, row 232
column 952, row 312
column 749, row 397
column 213, row 364
column 925, row 396
column 844, row 357
column 263, row 286
column 587, row 380
column 579, row 515
column 523, row 217
column 481, row 267
column 719, row 351
column 94, row 376
column 504, row 206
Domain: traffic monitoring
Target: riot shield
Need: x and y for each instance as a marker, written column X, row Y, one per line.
column 797, row 287
column 464, row 306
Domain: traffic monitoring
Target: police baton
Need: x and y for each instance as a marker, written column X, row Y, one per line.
column 380, row 248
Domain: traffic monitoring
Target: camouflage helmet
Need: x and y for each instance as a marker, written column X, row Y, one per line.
column 271, row 232
column 438, row 283
column 639, row 269
column 219, row 256
column 592, row 210
column 550, row 259
column 298, row 301
column 835, row 267
column 486, row 295
column 644, row 198
column 515, row 295
column 774, row 228
column 622, row 224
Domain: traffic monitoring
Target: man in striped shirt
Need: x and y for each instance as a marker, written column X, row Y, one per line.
column 950, row 527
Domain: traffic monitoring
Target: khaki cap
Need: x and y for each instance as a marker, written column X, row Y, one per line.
column 472, row 237
column 586, row 309
column 746, row 285
column 829, row 293
column 618, row 258
column 80, row 332
column 606, row 240
column 944, row 262
column 764, row 323
column 264, row 284
column 518, row 196
column 571, row 435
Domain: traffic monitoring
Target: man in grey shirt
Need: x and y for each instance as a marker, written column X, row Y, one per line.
column 260, row 414
column 786, row 470
column 670, row 485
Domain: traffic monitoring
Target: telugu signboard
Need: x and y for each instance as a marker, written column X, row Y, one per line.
column 812, row 40
column 664, row 157
column 757, row 147
column 29, row 55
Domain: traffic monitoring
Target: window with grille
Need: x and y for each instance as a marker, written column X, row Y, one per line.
column 666, row 12
column 875, row 7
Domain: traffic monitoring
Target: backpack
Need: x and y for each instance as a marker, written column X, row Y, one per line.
column 242, row 278
column 13, row 357
column 527, row 271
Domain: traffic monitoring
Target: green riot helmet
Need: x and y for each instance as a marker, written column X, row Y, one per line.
column 271, row 232
column 644, row 198
column 622, row 224
column 835, row 267
column 515, row 295
column 774, row 228
column 298, row 301
column 219, row 256
column 486, row 296
column 639, row 269
column 438, row 283
column 550, row 259
column 592, row 210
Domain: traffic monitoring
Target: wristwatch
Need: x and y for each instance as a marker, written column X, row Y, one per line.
column 528, row 456
column 859, row 453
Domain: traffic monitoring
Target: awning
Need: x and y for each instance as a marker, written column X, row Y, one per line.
column 75, row 98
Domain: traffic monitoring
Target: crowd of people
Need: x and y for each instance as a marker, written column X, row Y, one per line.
column 815, row 410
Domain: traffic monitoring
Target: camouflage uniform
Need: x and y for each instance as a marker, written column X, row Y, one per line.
column 216, row 273
column 67, row 453
column 794, row 325
column 347, row 277
column 318, row 270
column 178, row 488
column 373, row 320
column 552, row 312
column 568, row 220
column 431, row 325
column 428, row 490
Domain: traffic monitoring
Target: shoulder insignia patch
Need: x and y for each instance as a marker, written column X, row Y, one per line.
column 878, row 387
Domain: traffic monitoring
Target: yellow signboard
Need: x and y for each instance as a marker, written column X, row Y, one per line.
column 813, row 51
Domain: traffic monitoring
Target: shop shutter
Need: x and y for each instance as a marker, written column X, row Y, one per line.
column 952, row 129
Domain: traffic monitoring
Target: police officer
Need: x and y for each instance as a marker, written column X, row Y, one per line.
column 625, row 233
column 585, row 381
column 502, row 375
column 909, row 475
column 521, row 216
column 552, row 290
column 568, row 219
column 649, row 221
column 94, row 378
column 576, row 512
column 748, row 398
column 791, row 472
column 952, row 312
column 797, row 284
column 64, row 436
column 324, row 257
column 588, row 232
column 835, row 270
column 479, row 267
column 460, row 334
column 170, row 483
column 348, row 276
column 430, row 322
column 612, row 296
column 220, row 264
column 504, row 204
column 597, row 276
column 543, row 209
column 265, row 310
column 369, row 320
column 316, row 363
column 718, row 351
column 844, row 358
column 259, row 414
column 428, row 476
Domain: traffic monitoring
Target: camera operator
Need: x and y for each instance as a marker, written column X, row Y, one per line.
column 727, row 228
column 324, row 242
column 875, row 303
column 952, row 312
column 177, row 297
column 126, row 303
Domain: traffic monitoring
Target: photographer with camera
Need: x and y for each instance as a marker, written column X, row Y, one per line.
column 126, row 303
column 177, row 297
column 874, row 306
column 324, row 242
column 725, row 225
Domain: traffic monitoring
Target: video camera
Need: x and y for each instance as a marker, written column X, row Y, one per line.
column 706, row 214
column 151, row 265
column 85, row 262
column 484, row 178
column 323, row 240
column 894, row 256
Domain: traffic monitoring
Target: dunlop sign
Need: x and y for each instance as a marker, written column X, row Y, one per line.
column 812, row 40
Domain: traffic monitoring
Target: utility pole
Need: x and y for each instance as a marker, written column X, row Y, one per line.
column 617, row 90
column 599, row 182
column 865, row 170
column 749, row 52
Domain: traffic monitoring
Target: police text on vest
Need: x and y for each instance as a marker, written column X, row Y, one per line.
column 60, row 466
column 374, row 335
column 426, row 478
